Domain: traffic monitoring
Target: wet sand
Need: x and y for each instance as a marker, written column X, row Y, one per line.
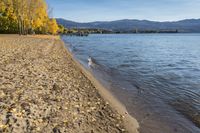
column 43, row 89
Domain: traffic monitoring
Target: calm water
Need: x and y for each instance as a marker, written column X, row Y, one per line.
column 156, row 76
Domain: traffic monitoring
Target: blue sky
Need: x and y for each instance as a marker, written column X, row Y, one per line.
column 106, row 10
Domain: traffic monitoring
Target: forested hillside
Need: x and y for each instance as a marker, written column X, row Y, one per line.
column 26, row 17
column 134, row 25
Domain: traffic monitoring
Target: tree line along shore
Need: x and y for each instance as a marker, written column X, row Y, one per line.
column 32, row 17
column 35, row 17
column 26, row 17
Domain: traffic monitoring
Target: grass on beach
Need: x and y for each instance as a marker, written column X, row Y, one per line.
column 42, row 90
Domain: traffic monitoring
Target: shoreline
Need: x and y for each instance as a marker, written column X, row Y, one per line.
column 43, row 89
column 130, row 122
column 154, row 108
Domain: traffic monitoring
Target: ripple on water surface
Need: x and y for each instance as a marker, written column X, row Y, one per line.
column 156, row 76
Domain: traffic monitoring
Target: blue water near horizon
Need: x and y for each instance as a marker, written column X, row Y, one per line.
column 157, row 76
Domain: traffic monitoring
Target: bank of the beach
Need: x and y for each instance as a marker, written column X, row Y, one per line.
column 43, row 89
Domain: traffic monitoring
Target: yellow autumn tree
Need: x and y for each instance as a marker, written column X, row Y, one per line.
column 38, row 19
column 52, row 26
column 61, row 29
column 26, row 16
column 8, row 19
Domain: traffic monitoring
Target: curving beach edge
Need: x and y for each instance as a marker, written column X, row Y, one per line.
column 44, row 89
column 130, row 122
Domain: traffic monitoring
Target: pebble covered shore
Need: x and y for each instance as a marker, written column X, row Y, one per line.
column 42, row 90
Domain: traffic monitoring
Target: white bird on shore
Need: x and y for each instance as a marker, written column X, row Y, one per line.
column 90, row 61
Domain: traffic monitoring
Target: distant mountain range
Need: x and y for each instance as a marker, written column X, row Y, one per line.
column 187, row 25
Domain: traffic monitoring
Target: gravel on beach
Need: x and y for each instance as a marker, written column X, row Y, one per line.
column 43, row 90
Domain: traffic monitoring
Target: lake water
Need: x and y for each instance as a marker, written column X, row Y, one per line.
column 156, row 76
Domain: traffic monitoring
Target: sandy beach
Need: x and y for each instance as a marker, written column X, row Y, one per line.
column 43, row 89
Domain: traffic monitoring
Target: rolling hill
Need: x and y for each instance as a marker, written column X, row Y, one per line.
column 187, row 25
